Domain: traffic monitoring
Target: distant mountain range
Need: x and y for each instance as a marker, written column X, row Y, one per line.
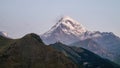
column 30, row 52
column 72, row 33
column 70, row 46
column 105, row 44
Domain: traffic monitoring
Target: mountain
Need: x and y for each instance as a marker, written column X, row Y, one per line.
column 92, row 46
column 104, row 44
column 3, row 34
column 72, row 33
column 83, row 57
column 66, row 30
column 31, row 52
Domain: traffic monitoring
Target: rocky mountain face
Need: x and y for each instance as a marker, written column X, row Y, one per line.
column 31, row 52
column 104, row 44
column 83, row 57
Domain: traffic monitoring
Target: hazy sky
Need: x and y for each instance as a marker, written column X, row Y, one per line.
column 19, row 17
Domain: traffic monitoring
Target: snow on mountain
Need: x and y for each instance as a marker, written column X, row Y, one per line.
column 69, row 31
column 3, row 34
column 66, row 30
column 105, row 44
column 106, row 39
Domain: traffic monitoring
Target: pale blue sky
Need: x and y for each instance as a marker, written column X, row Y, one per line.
column 19, row 17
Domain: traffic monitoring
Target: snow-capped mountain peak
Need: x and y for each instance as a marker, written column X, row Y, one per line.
column 66, row 19
column 68, row 31
column 65, row 27
column 69, row 25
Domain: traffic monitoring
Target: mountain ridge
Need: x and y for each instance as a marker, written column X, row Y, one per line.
column 106, row 44
column 83, row 57
column 30, row 52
